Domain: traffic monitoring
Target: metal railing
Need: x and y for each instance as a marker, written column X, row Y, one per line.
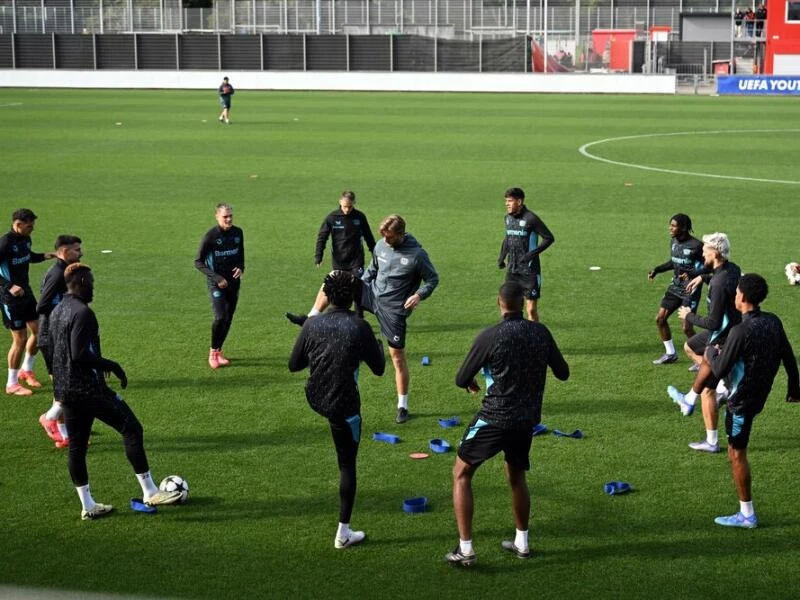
column 448, row 19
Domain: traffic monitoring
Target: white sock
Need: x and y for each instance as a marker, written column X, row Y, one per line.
column 690, row 397
column 148, row 487
column 87, row 502
column 711, row 436
column 313, row 312
column 402, row 401
column 13, row 375
column 27, row 363
column 55, row 411
column 62, row 429
column 722, row 389
column 343, row 532
column 746, row 508
column 466, row 547
column 669, row 347
column 521, row 539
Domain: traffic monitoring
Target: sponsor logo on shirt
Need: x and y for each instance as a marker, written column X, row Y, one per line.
column 233, row 252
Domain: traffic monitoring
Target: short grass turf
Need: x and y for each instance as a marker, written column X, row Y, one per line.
column 139, row 172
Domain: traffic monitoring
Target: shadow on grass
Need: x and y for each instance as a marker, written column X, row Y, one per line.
column 110, row 441
column 724, row 543
column 626, row 350
column 246, row 379
column 475, row 327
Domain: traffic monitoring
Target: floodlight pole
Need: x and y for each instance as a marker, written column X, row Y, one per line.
column 577, row 28
column 733, row 33
column 544, row 50
column 528, row 18
column 319, row 16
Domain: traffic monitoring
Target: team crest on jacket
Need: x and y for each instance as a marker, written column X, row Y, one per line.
column 522, row 223
column 356, row 221
column 687, row 251
column 237, row 239
column 219, row 241
column 403, row 261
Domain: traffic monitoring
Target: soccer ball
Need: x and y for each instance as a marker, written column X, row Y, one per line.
column 175, row 483
column 793, row 273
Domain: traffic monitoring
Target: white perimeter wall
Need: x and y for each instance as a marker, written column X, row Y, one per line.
column 337, row 80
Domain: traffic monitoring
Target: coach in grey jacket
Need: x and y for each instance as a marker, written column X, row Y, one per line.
column 391, row 291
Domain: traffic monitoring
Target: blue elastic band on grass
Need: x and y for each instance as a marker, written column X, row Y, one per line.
column 415, row 505
column 577, row 434
column 139, row 506
column 379, row 436
column 451, row 422
column 439, row 446
column 614, row 488
column 539, row 429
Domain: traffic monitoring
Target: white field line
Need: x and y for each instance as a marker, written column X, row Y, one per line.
column 584, row 150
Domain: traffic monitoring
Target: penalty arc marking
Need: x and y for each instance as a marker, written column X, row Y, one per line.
column 585, row 151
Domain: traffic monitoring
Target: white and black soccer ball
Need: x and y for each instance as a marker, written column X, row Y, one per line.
column 175, row 483
column 793, row 273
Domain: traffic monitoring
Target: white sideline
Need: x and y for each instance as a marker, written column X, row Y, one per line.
column 584, row 150
column 345, row 81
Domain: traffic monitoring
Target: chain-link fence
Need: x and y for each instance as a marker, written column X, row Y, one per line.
column 444, row 19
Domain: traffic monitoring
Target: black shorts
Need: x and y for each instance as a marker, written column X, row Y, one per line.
column 482, row 440
column 673, row 300
column 392, row 324
column 531, row 284
column 738, row 429
column 19, row 313
column 699, row 342
column 346, row 436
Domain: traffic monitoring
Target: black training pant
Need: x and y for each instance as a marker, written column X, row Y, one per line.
column 105, row 406
column 346, row 435
column 223, row 303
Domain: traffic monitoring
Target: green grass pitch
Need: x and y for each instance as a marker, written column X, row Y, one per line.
column 139, row 172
